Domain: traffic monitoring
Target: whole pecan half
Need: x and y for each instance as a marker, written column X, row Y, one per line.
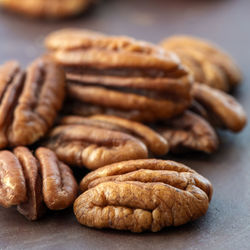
column 154, row 141
column 97, row 141
column 208, row 63
column 29, row 101
column 35, row 182
column 189, row 131
column 132, row 75
column 47, row 8
column 223, row 110
column 142, row 195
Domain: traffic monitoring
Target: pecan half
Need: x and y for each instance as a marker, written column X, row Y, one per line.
column 29, row 101
column 132, row 75
column 189, row 132
column 142, row 195
column 47, row 8
column 93, row 146
column 208, row 63
column 31, row 182
column 222, row 109
column 154, row 141
column 12, row 181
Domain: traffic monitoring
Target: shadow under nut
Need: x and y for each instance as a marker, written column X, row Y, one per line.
column 142, row 195
column 93, row 147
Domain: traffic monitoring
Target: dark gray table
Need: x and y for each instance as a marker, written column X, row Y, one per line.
column 227, row 223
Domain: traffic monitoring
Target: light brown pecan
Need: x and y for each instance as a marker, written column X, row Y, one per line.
column 12, row 181
column 132, row 75
column 154, row 141
column 29, row 101
column 34, row 207
column 93, row 146
column 189, row 132
column 31, row 182
column 142, row 195
column 223, row 110
column 47, row 8
column 208, row 63
column 59, row 184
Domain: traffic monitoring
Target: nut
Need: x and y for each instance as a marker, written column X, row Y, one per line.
column 132, row 75
column 222, row 109
column 207, row 63
column 33, row 182
column 142, row 195
column 189, row 132
column 29, row 102
column 47, row 8
column 154, row 141
column 12, row 181
column 92, row 146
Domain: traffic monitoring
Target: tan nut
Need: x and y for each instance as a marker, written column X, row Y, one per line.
column 142, row 195
column 189, row 132
column 208, row 63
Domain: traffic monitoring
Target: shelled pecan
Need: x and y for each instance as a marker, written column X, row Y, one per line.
column 208, row 63
column 189, row 131
column 221, row 109
column 100, row 140
column 34, row 182
column 47, row 8
column 29, row 101
column 131, row 75
column 142, row 195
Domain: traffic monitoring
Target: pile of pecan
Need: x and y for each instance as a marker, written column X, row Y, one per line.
column 107, row 104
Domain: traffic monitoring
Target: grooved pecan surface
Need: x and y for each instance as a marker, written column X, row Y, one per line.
column 189, row 132
column 223, row 110
column 29, row 101
column 47, row 8
column 31, row 182
column 93, row 146
column 142, row 195
column 132, row 75
column 154, row 141
column 208, row 63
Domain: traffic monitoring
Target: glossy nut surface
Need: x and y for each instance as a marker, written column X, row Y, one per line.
column 142, row 195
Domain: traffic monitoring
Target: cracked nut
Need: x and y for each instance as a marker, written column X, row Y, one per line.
column 34, row 182
column 222, row 109
column 142, row 195
column 207, row 63
column 189, row 131
column 100, row 140
column 47, row 8
column 132, row 75
column 29, row 101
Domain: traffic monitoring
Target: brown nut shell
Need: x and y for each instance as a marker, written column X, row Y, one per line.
column 142, row 195
column 93, row 147
column 189, row 132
